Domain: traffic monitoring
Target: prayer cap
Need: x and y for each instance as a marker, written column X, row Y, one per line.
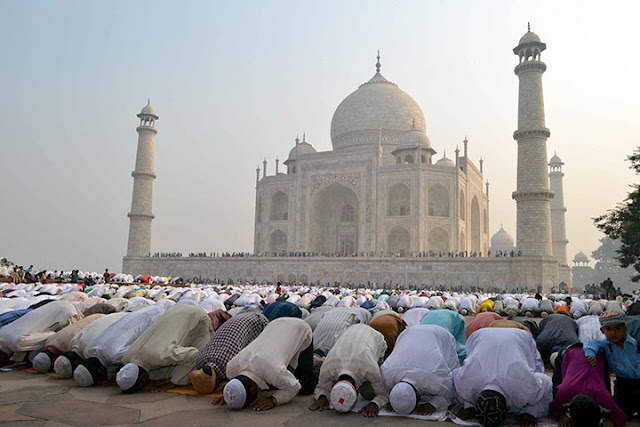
column 491, row 408
column 611, row 318
column 584, row 411
column 403, row 398
column 82, row 376
column 127, row 376
column 42, row 362
column 203, row 382
column 343, row 396
column 235, row 394
column 62, row 367
column 553, row 358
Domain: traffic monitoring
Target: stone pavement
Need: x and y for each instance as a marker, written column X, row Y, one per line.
column 28, row 399
column 41, row 400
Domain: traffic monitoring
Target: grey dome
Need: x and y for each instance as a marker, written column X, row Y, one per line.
column 555, row 160
column 376, row 105
column 148, row 110
column 529, row 37
column 502, row 238
column 581, row 257
column 414, row 138
column 302, row 148
column 445, row 161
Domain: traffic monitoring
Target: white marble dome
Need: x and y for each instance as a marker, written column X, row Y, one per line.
column 555, row 160
column 148, row 110
column 414, row 138
column 302, row 148
column 376, row 104
column 446, row 162
column 502, row 238
column 529, row 37
column 581, row 257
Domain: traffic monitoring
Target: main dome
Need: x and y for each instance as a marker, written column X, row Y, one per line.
column 376, row 104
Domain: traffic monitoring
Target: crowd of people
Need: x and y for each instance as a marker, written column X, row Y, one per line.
column 293, row 254
column 468, row 355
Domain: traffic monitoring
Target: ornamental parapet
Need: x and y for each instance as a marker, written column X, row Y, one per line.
column 146, row 129
column 148, row 217
column 143, row 175
column 532, row 195
column 530, row 133
column 530, row 66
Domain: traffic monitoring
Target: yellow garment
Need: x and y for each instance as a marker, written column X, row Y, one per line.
column 504, row 323
column 487, row 305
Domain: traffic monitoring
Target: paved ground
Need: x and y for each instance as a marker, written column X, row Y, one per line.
column 41, row 400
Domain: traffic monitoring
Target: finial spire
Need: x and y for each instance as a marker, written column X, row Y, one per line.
column 444, row 153
column 297, row 138
column 304, row 137
column 528, row 26
column 378, row 63
column 148, row 101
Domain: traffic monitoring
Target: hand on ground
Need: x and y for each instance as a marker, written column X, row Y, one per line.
column 526, row 420
column 264, row 404
column 320, row 404
column 465, row 414
column 388, row 407
column 425, row 409
column 218, row 401
column 370, row 411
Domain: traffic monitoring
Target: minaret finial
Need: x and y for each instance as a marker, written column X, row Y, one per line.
column 378, row 63
column 297, row 138
column 444, row 153
column 148, row 101
column 304, row 137
column 528, row 26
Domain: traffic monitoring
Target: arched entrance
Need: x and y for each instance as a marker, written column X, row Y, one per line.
column 334, row 220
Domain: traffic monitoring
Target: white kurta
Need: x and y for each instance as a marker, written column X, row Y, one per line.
column 356, row 353
column 266, row 359
column 173, row 340
column 505, row 360
column 61, row 339
column 424, row 356
column 90, row 332
column 32, row 330
column 113, row 342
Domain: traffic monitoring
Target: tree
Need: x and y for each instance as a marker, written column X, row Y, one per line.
column 623, row 223
column 608, row 266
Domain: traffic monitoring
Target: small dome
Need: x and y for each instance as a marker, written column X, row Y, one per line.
column 302, row 148
column 414, row 138
column 445, row 161
column 581, row 257
column 502, row 238
column 555, row 160
column 530, row 37
column 148, row 110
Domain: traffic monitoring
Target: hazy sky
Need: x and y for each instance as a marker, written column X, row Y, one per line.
column 234, row 82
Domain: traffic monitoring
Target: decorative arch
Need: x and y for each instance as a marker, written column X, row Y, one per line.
column 279, row 206
column 438, row 240
column 278, row 241
column 398, row 200
column 463, row 242
column 292, row 278
column 408, row 158
column 398, row 241
column 334, row 220
column 475, row 225
column 463, row 206
column 438, row 200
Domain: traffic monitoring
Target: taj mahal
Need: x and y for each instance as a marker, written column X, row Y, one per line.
column 385, row 206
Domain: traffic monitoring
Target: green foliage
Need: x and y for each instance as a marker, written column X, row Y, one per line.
column 623, row 223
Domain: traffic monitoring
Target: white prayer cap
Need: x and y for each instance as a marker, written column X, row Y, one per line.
column 127, row 376
column 343, row 396
column 577, row 314
column 62, row 367
column 553, row 358
column 403, row 398
column 235, row 394
column 42, row 363
column 83, row 376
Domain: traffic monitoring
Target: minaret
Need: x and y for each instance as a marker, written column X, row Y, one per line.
column 140, row 216
column 532, row 194
column 558, row 229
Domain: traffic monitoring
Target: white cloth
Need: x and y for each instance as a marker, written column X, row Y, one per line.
column 505, row 360
column 356, row 353
column 266, row 359
column 424, row 356
column 31, row 331
column 589, row 329
column 414, row 316
column 530, row 304
column 113, row 342
column 90, row 332
column 173, row 340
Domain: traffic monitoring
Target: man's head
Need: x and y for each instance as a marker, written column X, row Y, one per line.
column 584, row 411
column 131, row 378
column 343, row 395
column 90, row 372
column 240, row 392
column 204, row 380
column 491, row 408
column 404, row 398
column 613, row 326
column 43, row 361
column 65, row 364
column 4, row 358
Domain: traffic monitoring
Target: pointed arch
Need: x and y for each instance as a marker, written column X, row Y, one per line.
column 475, row 225
column 278, row 241
column 398, row 200
column 279, row 206
column 398, row 241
